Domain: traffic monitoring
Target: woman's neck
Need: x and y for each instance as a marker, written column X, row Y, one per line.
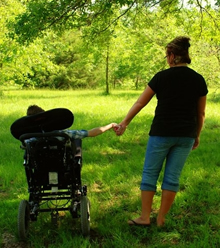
column 177, row 65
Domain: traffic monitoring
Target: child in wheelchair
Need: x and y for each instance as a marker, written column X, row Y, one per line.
column 53, row 161
column 77, row 134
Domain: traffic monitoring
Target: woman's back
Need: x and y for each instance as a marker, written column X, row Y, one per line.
column 177, row 90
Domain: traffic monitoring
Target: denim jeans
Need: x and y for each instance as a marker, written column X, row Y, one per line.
column 175, row 151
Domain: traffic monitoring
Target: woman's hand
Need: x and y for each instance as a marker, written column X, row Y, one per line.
column 119, row 129
column 196, row 143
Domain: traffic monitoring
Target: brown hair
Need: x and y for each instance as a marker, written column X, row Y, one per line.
column 34, row 109
column 180, row 48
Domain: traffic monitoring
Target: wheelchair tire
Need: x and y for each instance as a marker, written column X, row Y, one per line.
column 85, row 215
column 23, row 219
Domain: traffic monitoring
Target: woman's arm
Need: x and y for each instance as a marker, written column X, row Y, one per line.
column 200, row 119
column 142, row 101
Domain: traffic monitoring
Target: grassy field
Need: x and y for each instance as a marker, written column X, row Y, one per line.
column 112, row 168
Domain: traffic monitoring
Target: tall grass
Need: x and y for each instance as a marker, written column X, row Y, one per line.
column 112, row 168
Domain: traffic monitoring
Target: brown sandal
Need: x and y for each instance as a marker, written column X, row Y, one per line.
column 134, row 223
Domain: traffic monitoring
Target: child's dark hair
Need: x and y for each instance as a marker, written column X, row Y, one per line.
column 34, row 109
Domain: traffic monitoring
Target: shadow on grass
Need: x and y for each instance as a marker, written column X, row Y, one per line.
column 113, row 166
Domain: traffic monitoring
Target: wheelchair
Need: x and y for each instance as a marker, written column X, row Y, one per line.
column 52, row 164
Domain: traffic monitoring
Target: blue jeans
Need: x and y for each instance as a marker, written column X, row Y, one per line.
column 175, row 151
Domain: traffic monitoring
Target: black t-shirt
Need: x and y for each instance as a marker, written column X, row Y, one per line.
column 177, row 90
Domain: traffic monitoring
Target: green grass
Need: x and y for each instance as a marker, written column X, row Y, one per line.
column 112, row 168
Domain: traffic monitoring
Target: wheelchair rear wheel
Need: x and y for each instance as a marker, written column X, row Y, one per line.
column 85, row 215
column 23, row 219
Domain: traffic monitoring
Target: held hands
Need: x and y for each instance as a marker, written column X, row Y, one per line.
column 119, row 129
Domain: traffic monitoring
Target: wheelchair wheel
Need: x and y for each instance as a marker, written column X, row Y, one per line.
column 23, row 219
column 85, row 215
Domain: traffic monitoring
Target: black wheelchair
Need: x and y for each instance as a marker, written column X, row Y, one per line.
column 52, row 163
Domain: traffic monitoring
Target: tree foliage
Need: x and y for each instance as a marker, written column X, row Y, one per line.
column 41, row 15
column 96, row 43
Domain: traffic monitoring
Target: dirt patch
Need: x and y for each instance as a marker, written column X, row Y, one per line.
column 9, row 241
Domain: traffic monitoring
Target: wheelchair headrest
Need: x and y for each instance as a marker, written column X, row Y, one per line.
column 51, row 120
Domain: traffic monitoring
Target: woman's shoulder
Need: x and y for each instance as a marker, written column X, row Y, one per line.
column 195, row 73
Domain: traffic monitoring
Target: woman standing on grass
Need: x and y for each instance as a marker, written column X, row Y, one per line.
column 175, row 130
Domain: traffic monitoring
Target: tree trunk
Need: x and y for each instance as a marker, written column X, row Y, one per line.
column 106, row 71
column 136, row 82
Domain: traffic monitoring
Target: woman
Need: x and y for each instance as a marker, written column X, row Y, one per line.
column 175, row 130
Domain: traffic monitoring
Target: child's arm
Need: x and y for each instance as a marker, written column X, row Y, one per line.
column 99, row 130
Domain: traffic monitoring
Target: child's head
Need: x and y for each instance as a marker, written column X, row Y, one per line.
column 34, row 109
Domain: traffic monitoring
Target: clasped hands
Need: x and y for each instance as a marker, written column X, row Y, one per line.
column 119, row 129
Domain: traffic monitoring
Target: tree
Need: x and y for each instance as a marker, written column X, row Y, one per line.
column 41, row 15
column 125, row 52
column 8, row 47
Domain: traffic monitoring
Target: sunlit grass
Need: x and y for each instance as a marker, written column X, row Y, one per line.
column 112, row 168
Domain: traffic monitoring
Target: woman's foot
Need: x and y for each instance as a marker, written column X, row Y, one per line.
column 160, row 221
column 138, row 222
